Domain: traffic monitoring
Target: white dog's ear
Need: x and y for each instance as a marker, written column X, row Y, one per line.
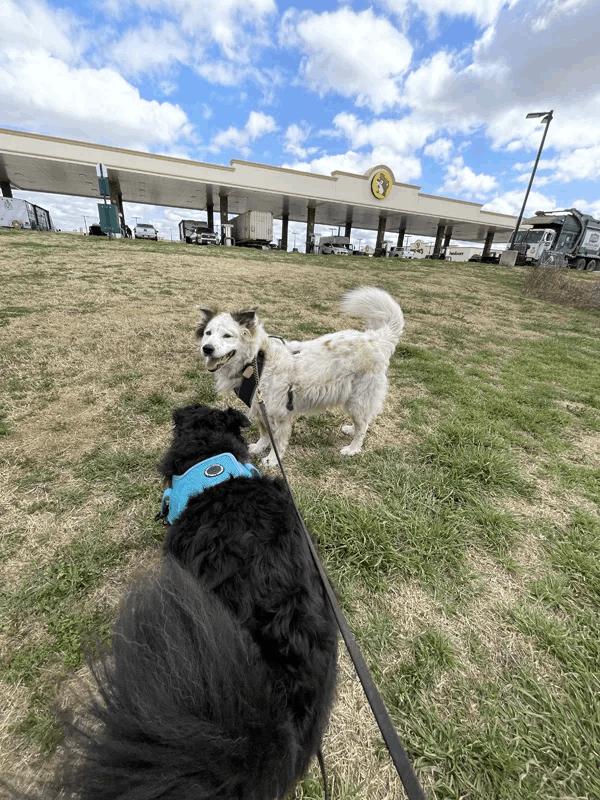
column 207, row 315
column 247, row 319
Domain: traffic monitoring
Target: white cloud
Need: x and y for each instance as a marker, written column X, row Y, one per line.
column 238, row 27
column 149, row 47
column 439, row 150
column 295, row 136
column 354, row 54
column 484, row 12
column 461, row 181
column 406, row 169
column 258, row 125
column 42, row 93
column 32, row 24
column 511, row 202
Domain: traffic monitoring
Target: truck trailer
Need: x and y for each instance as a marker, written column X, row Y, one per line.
column 253, row 229
column 17, row 213
column 559, row 238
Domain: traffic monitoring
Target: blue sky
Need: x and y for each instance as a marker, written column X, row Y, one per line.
column 436, row 89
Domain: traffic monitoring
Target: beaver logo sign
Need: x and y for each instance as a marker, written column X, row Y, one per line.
column 381, row 183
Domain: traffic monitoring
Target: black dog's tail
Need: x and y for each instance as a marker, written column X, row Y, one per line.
column 186, row 708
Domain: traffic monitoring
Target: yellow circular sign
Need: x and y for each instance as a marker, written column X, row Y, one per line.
column 381, row 184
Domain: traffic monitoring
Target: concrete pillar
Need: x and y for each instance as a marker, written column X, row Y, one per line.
column 400, row 242
column 348, row 230
column 285, row 219
column 310, row 226
column 121, row 209
column 224, row 209
column 437, row 247
column 447, row 237
column 224, row 212
column 380, row 236
column 210, row 218
column 489, row 239
column 6, row 190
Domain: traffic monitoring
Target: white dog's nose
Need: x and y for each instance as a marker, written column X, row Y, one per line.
column 208, row 349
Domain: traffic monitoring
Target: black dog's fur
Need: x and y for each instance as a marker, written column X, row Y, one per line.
column 223, row 666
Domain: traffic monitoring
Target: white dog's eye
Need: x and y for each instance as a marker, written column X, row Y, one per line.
column 227, row 336
column 207, row 333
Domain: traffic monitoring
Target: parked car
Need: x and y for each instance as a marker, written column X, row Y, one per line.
column 144, row 231
column 96, row 230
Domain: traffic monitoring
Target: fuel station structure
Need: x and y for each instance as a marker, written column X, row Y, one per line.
column 372, row 201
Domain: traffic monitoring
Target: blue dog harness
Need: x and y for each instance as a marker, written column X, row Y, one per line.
column 198, row 478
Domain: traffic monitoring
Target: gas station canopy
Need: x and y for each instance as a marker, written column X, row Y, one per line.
column 39, row 163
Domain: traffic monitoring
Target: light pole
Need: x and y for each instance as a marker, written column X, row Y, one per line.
column 359, row 241
column 547, row 118
column 85, row 224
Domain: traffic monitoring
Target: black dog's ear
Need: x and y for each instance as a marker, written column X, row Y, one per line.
column 181, row 415
column 206, row 317
column 247, row 319
column 235, row 420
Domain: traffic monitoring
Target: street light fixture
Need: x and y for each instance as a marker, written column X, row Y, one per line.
column 547, row 119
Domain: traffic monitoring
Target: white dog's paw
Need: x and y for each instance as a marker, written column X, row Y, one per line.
column 350, row 450
column 257, row 448
column 348, row 430
column 270, row 461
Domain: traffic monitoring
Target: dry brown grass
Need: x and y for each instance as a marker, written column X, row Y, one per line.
column 564, row 287
column 101, row 327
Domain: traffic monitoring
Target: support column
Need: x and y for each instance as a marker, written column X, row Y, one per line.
column 437, row 247
column 310, row 227
column 6, row 190
column 348, row 230
column 224, row 209
column 489, row 239
column 210, row 216
column 285, row 220
column 447, row 238
column 380, row 236
column 400, row 242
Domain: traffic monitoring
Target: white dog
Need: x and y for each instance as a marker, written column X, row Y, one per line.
column 346, row 369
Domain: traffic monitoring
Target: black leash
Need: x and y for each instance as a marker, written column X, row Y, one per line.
column 397, row 753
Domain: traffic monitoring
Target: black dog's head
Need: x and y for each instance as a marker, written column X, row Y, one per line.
column 201, row 432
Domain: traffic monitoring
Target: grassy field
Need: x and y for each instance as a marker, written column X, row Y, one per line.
column 464, row 542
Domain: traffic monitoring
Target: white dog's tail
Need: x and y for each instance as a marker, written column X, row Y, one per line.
column 378, row 308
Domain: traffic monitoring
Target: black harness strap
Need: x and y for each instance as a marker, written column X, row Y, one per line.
column 250, row 377
column 245, row 391
column 398, row 754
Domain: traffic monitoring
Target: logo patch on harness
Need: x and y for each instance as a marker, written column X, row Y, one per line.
column 214, row 470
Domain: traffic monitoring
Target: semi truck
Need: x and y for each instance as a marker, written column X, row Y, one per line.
column 17, row 213
column 335, row 246
column 559, row 238
column 194, row 231
column 253, row 229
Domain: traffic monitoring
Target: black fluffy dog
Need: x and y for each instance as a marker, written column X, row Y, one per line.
column 223, row 666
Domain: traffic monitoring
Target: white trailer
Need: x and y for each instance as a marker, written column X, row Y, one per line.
column 253, row 229
column 17, row 213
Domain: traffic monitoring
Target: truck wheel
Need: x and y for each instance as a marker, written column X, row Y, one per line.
column 591, row 265
column 580, row 263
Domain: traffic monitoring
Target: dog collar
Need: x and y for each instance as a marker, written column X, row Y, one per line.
column 196, row 479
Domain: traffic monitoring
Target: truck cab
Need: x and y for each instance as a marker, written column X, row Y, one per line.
column 534, row 242
column 145, row 231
